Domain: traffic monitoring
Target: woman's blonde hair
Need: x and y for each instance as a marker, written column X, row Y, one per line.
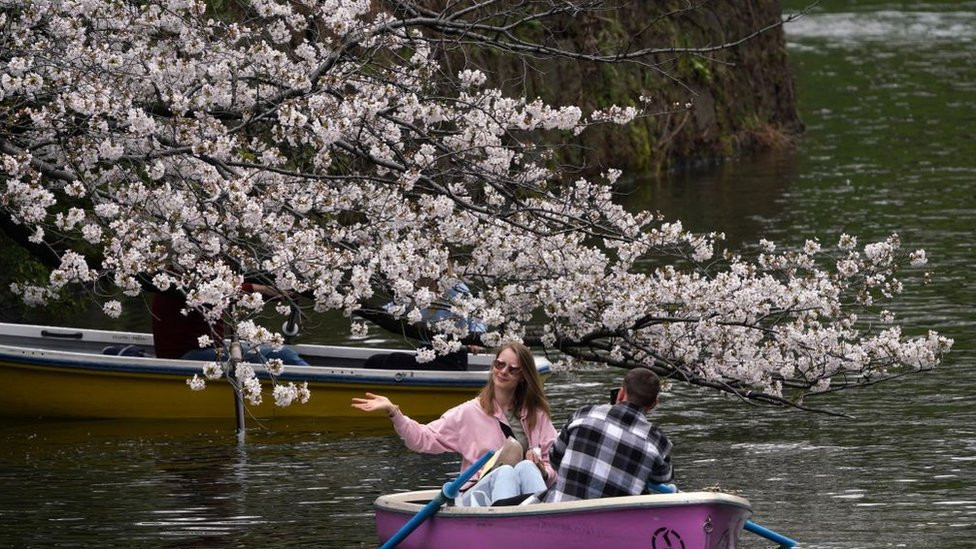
column 529, row 394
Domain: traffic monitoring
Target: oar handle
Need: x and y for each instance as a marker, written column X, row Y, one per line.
column 290, row 328
column 449, row 491
column 783, row 541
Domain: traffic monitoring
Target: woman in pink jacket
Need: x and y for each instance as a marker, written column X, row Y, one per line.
column 511, row 402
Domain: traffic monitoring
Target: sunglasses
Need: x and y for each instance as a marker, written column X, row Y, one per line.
column 501, row 365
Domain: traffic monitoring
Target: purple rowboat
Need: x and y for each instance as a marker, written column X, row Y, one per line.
column 686, row 520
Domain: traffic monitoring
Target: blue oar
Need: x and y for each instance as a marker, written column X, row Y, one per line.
column 448, row 491
column 782, row 540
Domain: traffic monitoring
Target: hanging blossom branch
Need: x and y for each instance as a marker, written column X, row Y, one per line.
column 774, row 329
column 321, row 148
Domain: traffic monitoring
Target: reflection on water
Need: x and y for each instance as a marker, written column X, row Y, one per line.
column 717, row 199
column 891, row 114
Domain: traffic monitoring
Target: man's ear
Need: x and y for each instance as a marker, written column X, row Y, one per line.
column 621, row 395
column 651, row 406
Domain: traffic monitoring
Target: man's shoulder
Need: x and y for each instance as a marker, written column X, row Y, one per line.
column 592, row 410
column 589, row 414
column 630, row 414
column 635, row 420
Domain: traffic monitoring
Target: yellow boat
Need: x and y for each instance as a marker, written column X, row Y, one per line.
column 63, row 372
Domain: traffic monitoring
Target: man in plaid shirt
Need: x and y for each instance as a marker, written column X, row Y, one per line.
column 612, row 450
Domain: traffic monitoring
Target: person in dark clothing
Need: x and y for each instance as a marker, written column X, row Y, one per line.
column 456, row 361
column 176, row 335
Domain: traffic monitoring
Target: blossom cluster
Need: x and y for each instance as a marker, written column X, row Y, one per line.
column 324, row 146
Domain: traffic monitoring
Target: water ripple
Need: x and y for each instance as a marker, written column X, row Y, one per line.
column 908, row 26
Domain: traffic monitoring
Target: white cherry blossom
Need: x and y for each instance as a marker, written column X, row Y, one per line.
column 362, row 172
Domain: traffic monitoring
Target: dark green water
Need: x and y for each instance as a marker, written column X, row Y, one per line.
column 888, row 93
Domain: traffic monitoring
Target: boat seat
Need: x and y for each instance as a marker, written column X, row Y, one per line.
column 123, row 350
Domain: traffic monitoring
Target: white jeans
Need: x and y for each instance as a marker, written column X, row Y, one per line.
column 503, row 482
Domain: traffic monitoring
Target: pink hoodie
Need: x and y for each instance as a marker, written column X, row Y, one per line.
column 469, row 431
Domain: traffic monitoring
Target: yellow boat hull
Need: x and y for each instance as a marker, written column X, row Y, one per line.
column 37, row 391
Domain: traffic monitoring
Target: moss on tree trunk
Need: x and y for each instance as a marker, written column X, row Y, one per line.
column 743, row 98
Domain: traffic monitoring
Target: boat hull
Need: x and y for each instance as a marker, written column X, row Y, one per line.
column 54, row 372
column 692, row 520
column 35, row 390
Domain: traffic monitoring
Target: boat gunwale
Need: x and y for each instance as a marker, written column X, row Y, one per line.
column 80, row 360
column 406, row 503
column 172, row 367
column 35, row 331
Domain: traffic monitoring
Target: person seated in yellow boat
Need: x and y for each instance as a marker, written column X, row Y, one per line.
column 176, row 335
column 611, row 449
column 511, row 404
column 437, row 312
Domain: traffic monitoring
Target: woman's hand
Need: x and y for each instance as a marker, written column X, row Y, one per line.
column 535, row 456
column 373, row 403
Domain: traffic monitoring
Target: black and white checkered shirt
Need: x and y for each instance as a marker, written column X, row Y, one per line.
column 607, row 451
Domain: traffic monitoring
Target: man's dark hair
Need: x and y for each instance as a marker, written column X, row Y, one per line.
column 642, row 387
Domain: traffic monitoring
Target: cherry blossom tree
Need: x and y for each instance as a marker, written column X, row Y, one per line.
column 322, row 147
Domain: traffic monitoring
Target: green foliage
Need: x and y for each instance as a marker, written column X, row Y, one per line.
column 20, row 267
column 700, row 68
